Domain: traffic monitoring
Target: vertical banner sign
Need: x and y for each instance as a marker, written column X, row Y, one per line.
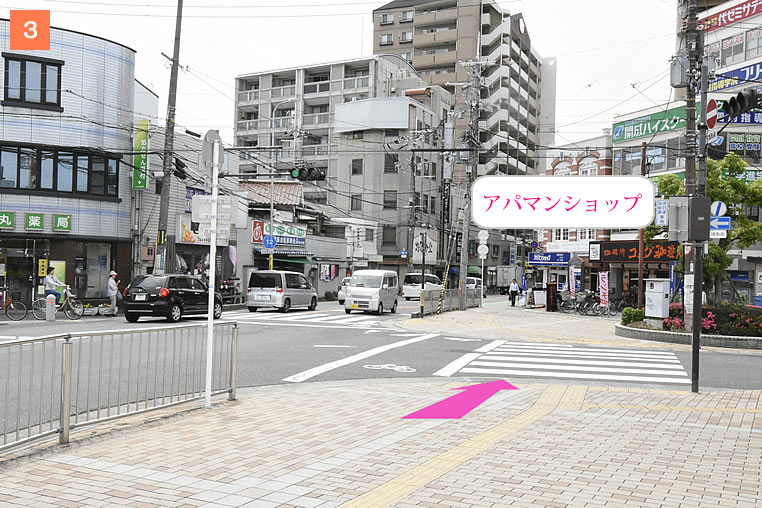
column 572, row 282
column 604, row 283
column 140, row 159
column 672, row 279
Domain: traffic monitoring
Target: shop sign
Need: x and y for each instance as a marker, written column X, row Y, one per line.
column 745, row 10
column 626, row 251
column 7, row 220
column 549, row 258
column 286, row 230
column 189, row 193
column 649, row 125
column 284, row 234
column 736, row 77
column 186, row 234
column 34, row 221
column 529, row 202
column 61, row 222
column 568, row 246
column 140, row 159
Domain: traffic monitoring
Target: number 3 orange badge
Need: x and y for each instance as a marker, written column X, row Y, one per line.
column 30, row 30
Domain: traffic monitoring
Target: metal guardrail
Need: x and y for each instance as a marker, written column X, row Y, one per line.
column 450, row 301
column 95, row 377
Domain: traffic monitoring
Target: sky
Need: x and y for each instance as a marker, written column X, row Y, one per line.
column 613, row 56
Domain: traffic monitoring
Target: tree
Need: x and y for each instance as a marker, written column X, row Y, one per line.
column 725, row 182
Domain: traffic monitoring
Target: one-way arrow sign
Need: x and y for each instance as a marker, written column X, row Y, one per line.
column 719, row 223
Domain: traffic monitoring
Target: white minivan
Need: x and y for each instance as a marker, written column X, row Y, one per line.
column 411, row 286
column 372, row 291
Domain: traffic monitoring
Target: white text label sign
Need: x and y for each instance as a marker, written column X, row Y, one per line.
column 562, row 202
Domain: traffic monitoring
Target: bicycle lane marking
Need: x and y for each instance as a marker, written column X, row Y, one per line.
column 321, row 369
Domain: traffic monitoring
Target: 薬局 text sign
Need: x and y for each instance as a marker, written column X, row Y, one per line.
column 562, row 202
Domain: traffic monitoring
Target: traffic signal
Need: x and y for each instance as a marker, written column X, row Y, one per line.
column 308, row 174
column 180, row 171
column 743, row 102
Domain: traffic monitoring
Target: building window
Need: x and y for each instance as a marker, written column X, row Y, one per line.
column 356, row 203
column 408, row 57
column 47, row 160
column 65, row 172
column 33, row 82
column 389, row 235
column 9, row 162
column 495, row 251
column 391, row 163
column 732, row 50
column 406, row 37
column 588, row 169
column 387, row 19
column 390, row 199
column 28, row 168
column 97, row 176
column 425, row 205
column 560, row 235
column 370, row 235
column 406, row 17
column 356, row 166
column 83, row 171
column 585, row 234
column 358, row 135
column 753, row 45
column 386, row 39
column 433, row 205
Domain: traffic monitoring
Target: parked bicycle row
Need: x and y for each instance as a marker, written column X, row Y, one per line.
column 16, row 310
column 588, row 303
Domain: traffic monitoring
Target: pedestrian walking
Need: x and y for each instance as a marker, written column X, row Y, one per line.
column 113, row 292
column 51, row 283
column 514, row 292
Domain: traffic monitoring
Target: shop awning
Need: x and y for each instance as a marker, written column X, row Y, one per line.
column 296, row 259
column 474, row 270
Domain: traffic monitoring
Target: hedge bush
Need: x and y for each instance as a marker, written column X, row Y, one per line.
column 630, row 315
column 723, row 319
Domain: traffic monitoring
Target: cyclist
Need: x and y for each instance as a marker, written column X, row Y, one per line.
column 51, row 283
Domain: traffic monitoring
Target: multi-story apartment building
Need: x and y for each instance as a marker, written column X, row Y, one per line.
column 517, row 111
column 369, row 123
column 65, row 192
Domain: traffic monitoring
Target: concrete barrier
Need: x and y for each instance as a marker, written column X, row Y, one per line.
column 732, row 341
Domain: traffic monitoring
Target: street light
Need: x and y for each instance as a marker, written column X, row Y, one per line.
column 272, row 181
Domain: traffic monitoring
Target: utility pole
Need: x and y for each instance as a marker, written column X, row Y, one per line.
column 641, row 237
column 692, row 42
column 169, row 138
column 475, row 73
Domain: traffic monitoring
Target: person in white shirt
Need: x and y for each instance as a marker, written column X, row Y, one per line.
column 51, row 283
column 514, row 292
column 113, row 290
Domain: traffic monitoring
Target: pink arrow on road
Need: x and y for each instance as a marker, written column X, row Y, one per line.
column 463, row 403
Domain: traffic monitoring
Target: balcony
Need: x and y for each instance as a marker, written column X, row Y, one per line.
column 318, row 87
column 251, row 96
column 436, row 17
column 283, row 91
column 488, row 39
column 246, row 126
column 435, row 38
column 322, row 150
column 316, row 119
column 440, row 79
column 285, row 122
column 500, row 50
column 439, row 59
column 358, row 82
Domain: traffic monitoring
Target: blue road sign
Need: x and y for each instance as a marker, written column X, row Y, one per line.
column 403, row 253
column 269, row 241
column 719, row 223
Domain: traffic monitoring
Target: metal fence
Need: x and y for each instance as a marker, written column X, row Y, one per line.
column 98, row 376
column 450, row 301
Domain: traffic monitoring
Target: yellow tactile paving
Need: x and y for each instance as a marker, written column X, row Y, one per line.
column 672, row 408
column 416, row 478
column 573, row 399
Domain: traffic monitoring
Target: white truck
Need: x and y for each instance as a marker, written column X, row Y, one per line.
column 505, row 275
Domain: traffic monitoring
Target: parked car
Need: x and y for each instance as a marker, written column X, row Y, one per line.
column 474, row 283
column 372, row 290
column 343, row 289
column 171, row 296
column 279, row 289
column 411, row 286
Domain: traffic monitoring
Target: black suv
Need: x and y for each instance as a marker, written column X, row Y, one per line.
column 171, row 296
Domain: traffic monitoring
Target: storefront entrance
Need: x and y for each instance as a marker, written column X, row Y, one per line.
column 19, row 259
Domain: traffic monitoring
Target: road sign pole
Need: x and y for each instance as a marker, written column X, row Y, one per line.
column 212, row 263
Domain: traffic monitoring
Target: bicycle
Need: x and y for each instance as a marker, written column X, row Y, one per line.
column 72, row 308
column 15, row 310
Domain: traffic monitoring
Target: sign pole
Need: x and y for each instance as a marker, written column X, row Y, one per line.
column 641, row 236
column 212, row 263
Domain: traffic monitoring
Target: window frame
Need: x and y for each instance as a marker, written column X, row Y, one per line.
column 21, row 100
column 389, row 235
column 386, row 39
column 404, row 40
column 387, row 18
column 561, row 235
column 387, row 200
column 404, row 19
column 356, row 167
column 355, row 203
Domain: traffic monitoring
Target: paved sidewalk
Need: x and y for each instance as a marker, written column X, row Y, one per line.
column 344, row 443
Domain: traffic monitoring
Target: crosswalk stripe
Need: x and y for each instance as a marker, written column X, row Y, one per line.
column 660, row 365
column 573, row 375
column 574, row 352
column 297, row 317
column 576, row 368
column 589, row 349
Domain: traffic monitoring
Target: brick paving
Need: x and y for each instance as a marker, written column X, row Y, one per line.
column 344, row 443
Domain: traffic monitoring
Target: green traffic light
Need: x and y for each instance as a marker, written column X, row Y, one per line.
column 295, row 173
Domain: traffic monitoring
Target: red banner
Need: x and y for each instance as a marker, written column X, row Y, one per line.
column 731, row 15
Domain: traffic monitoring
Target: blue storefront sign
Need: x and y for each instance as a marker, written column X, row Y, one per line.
column 549, row 258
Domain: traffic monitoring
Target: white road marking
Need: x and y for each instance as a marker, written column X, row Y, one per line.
column 373, row 331
column 590, row 349
column 454, row 366
column 332, row 345
column 458, row 339
column 573, row 375
column 578, row 368
column 359, row 326
column 572, row 355
column 302, row 376
column 585, row 353
column 566, row 361
column 489, row 347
